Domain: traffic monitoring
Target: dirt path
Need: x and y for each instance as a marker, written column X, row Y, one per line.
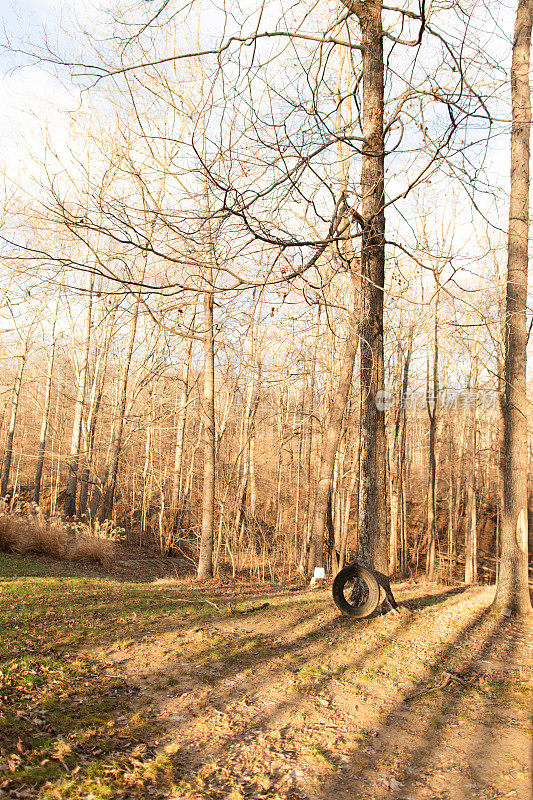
column 295, row 702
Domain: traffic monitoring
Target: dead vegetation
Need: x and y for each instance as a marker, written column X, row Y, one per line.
column 25, row 532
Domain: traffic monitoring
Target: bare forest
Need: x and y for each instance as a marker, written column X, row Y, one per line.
column 264, row 314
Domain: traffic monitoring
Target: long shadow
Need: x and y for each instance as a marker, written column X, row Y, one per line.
column 422, row 757
column 274, row 657
column 300, row 649
column 433, row 599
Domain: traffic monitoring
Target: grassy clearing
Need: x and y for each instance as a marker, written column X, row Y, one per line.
column 65, row 730
column 288, row 702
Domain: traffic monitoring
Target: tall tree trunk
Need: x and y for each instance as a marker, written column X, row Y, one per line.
column 57, row 426
column 402, row 419
column 46, row 410
column 92, row 418
column 471, row 531
column 69, row 504
column 512, row 591
column 108, row 491
column 247, row 423
column 251, row 469
column 181, row 420
column 282, row 420
column 147, row 473
column 471, row 492
column 330, row 443
column 307, row 448
column 95, row 399
column 205, row 559
column 373, row 538
column 432, row 403
column 44, row 426
column 8, row 449
column 451, row 507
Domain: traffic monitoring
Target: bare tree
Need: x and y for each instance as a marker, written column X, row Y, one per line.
column 15, row 398
column 69, row 503
column 46, row 407
column 512, row 590
column 432, row 404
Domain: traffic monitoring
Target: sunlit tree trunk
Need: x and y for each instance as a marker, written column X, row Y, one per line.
column 69, row 503
column 205, row 559
column 512, row 591
column 432, row 404
column 373, row 539
column 181, row 420
column 15, row 397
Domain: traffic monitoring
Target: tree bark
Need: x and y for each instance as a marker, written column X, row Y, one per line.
column 205, row 558
column 8, row 449
column 373, row 539
column 512, row 591
column 330, row 443
column 69, row 504
column 108, row 491
column 432, row 403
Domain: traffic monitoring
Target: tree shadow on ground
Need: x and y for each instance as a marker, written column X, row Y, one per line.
column 425, row 600
column 277, row 664
column 411, row 742
column 270, row 662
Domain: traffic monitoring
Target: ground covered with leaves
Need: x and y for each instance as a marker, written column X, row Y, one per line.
column 112, row 688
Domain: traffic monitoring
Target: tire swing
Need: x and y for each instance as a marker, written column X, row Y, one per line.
column 356, row 591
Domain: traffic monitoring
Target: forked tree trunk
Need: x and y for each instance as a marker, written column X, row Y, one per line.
column 512, row 591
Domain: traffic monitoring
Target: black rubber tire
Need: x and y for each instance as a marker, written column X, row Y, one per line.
column 365, row 575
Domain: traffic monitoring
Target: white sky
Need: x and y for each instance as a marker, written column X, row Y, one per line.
column 30, row 96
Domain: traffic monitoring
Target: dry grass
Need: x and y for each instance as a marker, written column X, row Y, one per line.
column 26, row 532
column 92, row 548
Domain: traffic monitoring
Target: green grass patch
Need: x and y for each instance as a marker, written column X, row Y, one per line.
column 66, row 730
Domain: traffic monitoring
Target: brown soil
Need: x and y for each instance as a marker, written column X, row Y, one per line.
column 294, row 701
